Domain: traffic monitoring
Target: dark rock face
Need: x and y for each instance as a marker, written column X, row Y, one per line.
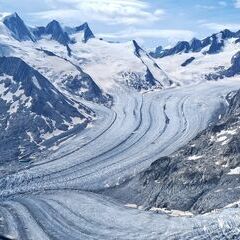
column 31, row 109
column 137, row 49
column 200, row 177
column 137, row 81
column 188, row 61
column 38, row 32
column 149, row 78
column 196, row 45
column 214, row 42
column 84, row 86
column 87, row 32
column 148, row 81
column 232, row 71
column 36, row 86
column 181, row 47
column 235, row 68
column 18, row 28
column 157, row 52
column 226, row 34
column 140, row 83
column 216, row 45
column 55, row 30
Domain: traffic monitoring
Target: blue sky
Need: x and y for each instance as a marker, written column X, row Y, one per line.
column 151, row 22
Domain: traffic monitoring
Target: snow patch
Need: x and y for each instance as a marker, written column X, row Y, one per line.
column 224, row 132
column 173, row 213
column 234, row 171
column 194, row 157
column 131, row 205
column 49, row 135
column 77, row 120
column 30, row 135
column 221, row 139
column 36, row 83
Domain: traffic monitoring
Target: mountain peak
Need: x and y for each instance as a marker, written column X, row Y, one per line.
column 55, row 29
column 17, row 27
column 88, row 34
column 54, row 23
column 84, row 30
column 14, row 15
column 226, row 33
column 215, row 42
column 194, row 39
column 195, row 45
column 83, row 26
column 137, row 48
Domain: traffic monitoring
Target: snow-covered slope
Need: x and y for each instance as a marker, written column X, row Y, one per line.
column 125, row 67
column 64, row 73
column 32, row 111
column 75, row 61
column 198, row 66
column 155, row 76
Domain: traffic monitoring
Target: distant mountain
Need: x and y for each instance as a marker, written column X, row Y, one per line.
column 21, row 32
column 18, row 28
column 231, row 71
column 147, row 75
column 53, row 29
column 64, row 35
column 83, row 29
column 5, row 50
column 209, row 45
column 154, row 74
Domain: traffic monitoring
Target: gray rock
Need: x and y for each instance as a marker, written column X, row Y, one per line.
column 30, row 108
column 199, row 177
